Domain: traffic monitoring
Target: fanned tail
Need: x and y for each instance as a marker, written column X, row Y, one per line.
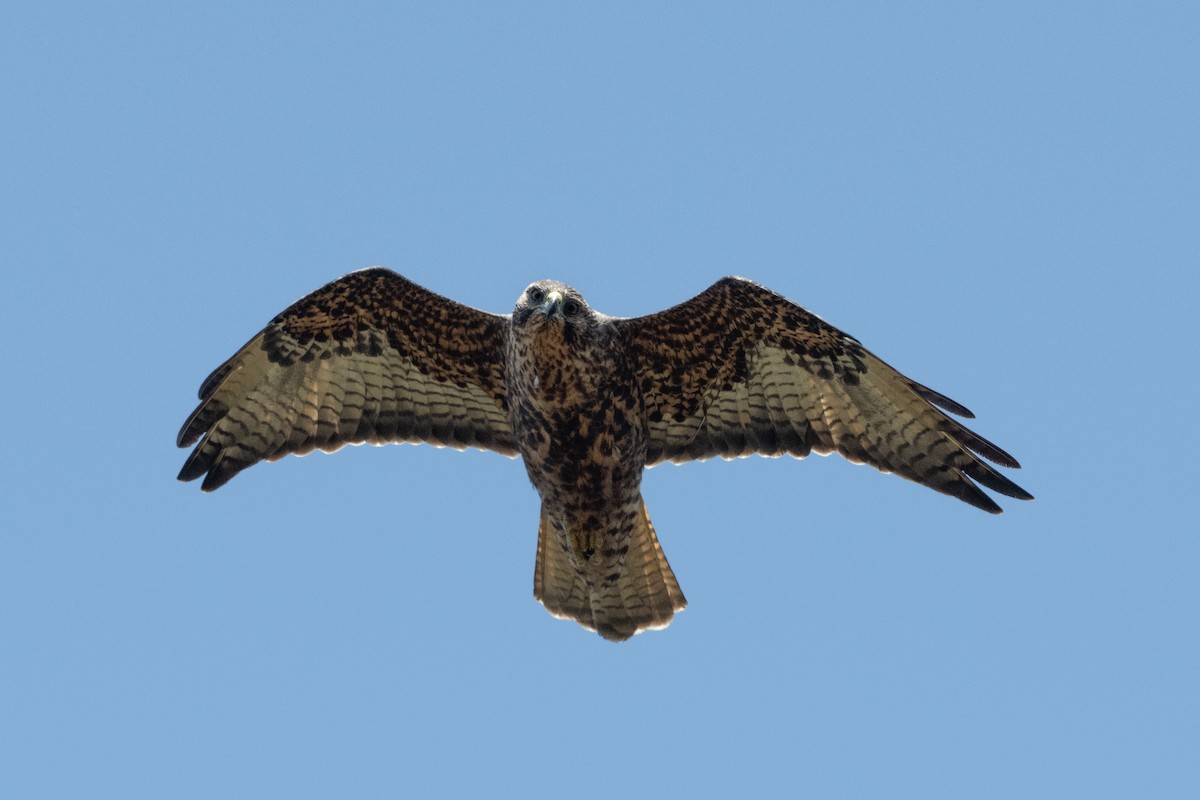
column 644, row 596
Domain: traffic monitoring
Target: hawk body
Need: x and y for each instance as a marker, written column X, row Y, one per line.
column 579, row 420
column 587, row 401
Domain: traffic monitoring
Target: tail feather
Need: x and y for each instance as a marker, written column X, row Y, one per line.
column 556, row 583
column 645, row 596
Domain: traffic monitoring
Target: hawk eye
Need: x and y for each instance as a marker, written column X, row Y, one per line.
column 536, row 294
column 572, row 307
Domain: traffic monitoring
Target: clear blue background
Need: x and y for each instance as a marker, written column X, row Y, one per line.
column 1000, row 199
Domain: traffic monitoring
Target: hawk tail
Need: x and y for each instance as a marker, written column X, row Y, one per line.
column 644, row 596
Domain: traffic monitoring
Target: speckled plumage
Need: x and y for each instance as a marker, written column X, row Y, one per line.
column 587, row 401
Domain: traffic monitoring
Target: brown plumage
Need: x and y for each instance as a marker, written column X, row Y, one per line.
column 588, row 401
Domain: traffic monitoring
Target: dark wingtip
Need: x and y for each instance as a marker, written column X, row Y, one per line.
column 1021, row 494
column 981, row 501
column 217, row 469
column 200, row 421
column 215, row 480
column 941, row 401
column 186, row 437
column 192, row 469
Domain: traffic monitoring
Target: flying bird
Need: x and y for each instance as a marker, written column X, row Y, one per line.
column 587, row 401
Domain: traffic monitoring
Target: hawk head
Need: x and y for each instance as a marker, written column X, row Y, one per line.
column 551, row 306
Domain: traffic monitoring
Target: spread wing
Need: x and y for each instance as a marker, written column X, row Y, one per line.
column 739, row 369
column 370, row 357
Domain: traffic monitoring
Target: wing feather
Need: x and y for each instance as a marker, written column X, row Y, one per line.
column 370, row 357
column 739, row 369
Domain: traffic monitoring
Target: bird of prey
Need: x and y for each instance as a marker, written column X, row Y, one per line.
column 587, row 401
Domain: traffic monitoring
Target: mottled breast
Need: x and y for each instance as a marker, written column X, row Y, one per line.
column 577, row 412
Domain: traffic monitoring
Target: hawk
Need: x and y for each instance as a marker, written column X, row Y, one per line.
column 587, row 401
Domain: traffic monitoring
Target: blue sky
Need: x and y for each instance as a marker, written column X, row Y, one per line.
column 999, row 199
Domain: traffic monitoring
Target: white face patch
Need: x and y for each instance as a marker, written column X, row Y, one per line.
column 536, row 381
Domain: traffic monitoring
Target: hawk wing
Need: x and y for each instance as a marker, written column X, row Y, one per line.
column 370, row 357
column 739, row 369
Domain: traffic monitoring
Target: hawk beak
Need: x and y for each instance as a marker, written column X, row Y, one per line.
column 553, row 304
